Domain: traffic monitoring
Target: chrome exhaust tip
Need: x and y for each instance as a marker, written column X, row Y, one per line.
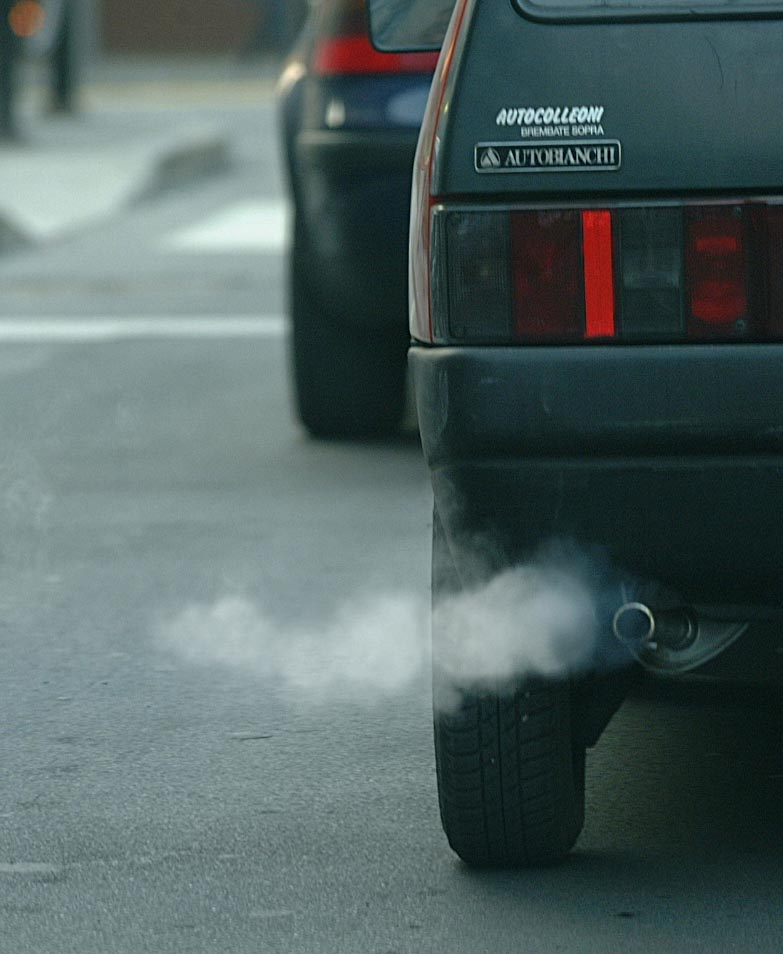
column 634, row 624
column 638, row 627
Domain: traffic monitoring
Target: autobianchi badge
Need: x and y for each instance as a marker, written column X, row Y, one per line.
column 592, row 155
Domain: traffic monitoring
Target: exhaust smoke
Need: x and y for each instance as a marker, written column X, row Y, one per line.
column 372, row 647
column 537, row 619
column 541, row 618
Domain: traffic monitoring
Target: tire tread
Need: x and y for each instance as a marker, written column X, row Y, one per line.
column 510, row 779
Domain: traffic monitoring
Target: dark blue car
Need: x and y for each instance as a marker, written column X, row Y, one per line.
column 597, row 328
column 350, row 117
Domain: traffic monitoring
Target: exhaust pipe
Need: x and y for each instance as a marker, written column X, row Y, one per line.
column 639, row 627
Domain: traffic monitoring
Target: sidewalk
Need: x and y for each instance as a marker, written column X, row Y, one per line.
column 143, row 125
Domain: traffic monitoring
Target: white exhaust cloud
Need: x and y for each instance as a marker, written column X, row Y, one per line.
column 371, row 647
column 533, row 619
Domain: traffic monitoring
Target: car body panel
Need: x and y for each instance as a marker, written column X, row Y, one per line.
column 668, row 458
column 592, row 400
column 692, row 104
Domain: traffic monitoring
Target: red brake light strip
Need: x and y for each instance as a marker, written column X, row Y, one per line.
column 353, row 55
column 599, row 274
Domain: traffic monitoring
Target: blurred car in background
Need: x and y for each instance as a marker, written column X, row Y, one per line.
column 350, row 117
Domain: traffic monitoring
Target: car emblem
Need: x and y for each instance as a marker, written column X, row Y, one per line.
column 490, row 159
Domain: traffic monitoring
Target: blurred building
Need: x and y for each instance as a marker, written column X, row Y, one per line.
column 198, row 26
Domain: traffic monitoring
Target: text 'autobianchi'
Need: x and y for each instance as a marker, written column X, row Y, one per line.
column 597, row 156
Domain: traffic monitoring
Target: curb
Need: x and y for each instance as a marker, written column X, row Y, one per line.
column 197, row 156
column 207, row 154
column 12, row 239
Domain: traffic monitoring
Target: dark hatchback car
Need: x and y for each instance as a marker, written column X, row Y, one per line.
column 350, row 117
column 597, row 323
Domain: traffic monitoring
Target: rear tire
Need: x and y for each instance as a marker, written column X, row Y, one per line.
column 347, row 383
column 511, row 777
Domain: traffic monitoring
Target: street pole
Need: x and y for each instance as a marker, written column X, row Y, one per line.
column 9, row 50
column 63, row 63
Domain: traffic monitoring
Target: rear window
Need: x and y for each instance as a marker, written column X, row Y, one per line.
column 409, row 24
column 647, row 9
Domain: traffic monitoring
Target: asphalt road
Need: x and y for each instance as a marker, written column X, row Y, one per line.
column 184, row 766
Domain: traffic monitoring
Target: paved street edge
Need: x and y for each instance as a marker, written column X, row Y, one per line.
column 205, row 154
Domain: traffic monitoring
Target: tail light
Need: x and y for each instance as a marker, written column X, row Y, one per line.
column 546, row 297
column 667, row 273
column 649, row 283
column 598, row 274
column 717, row 267
column 772, row 222
column 344, row 48
column 354, row 55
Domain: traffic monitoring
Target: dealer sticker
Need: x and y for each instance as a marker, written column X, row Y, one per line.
column 592, row 155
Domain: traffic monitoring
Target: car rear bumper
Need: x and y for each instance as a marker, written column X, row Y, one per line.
column 346, row 152
column 670, row 458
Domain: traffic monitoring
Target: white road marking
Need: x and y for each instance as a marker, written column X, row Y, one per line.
column 244, row 227
column 29, row 868
column 124, row 328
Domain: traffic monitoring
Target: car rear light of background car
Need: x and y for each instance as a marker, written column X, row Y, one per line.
column 355, row 55
column 702, row 272
column 344, row 48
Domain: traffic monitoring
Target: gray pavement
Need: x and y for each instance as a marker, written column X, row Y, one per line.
column 142, row 126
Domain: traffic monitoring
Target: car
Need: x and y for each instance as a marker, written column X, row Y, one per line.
column 349, row 119
column 597, row 326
